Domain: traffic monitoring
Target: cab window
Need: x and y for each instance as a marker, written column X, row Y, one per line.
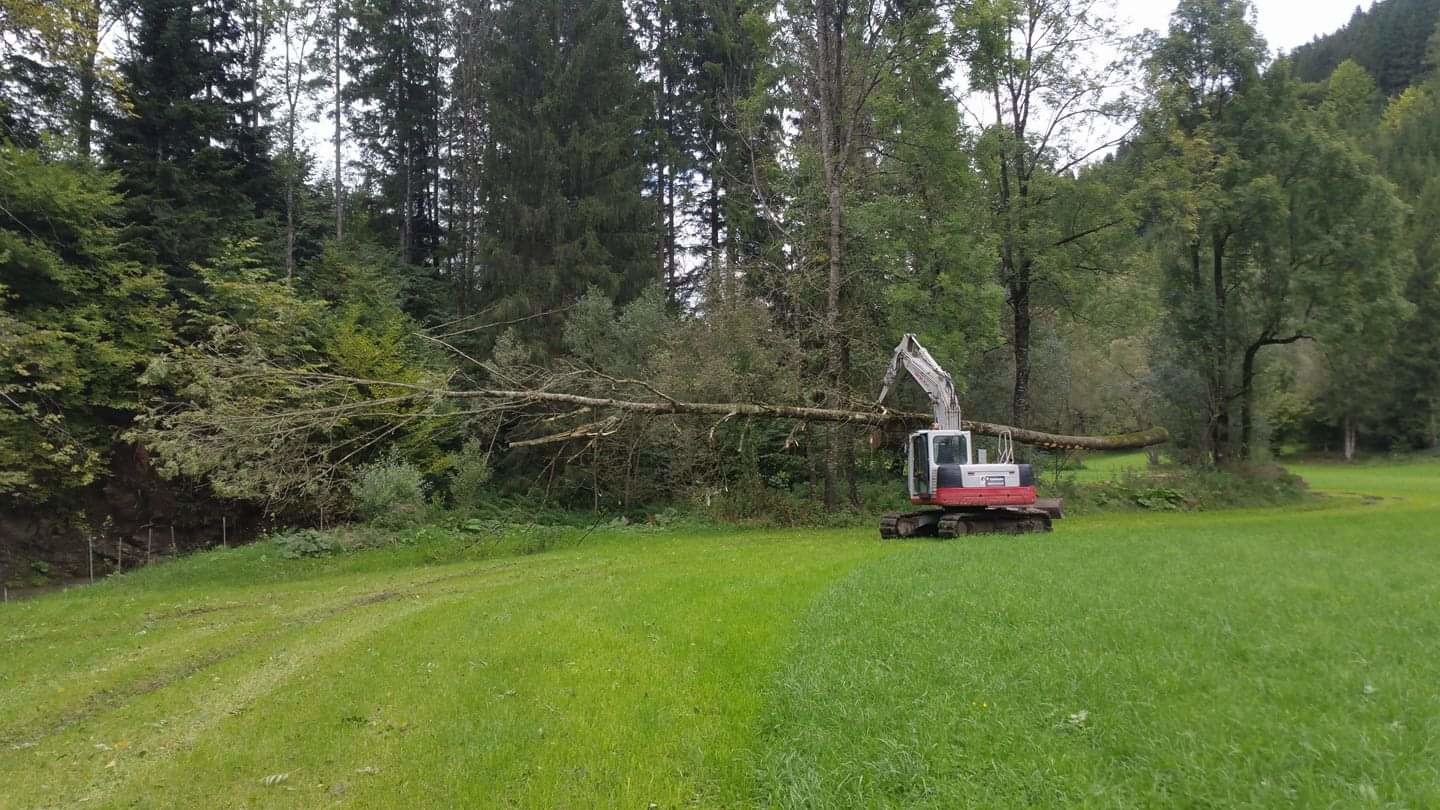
column 950, row 450
column 920, row 466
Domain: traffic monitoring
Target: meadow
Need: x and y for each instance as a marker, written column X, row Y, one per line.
column 1255, row 657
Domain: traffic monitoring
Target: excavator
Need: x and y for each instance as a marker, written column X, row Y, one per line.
column 964, row 495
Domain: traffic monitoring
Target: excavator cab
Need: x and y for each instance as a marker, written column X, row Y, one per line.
column 937, row 458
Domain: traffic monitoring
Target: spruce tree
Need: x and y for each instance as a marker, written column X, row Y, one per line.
column 393, row 56
column 192, row 158
column 564, row 167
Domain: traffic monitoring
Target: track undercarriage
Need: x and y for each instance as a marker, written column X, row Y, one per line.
column 950, row 523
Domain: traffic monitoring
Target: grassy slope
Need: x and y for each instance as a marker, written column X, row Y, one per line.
column 1254, row 657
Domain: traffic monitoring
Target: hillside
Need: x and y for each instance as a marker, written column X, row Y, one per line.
column 1390, row 41
column 1258, row 657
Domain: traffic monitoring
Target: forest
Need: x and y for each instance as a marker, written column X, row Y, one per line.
column 257, row 253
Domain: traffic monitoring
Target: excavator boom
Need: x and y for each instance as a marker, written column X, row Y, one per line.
column 935, row 381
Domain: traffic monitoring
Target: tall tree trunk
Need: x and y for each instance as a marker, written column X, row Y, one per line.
column 1220, row 380
column 834, row 346
column 1247, row 398
column 1350, row 437
column 407, row 237
column 1020, row 345
column 716, row 265
column 830, row 93
column 662, row 240
column 665, row 177
column 1015, row 267
column 85, row 108
column 339, row 116
column 290, row 228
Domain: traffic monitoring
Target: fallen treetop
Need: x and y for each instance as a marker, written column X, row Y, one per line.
column 878, row 418
column 663, row 405
column 260, row 431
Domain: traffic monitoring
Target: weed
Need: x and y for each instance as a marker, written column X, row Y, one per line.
column 306, row 543
column 470, row 481
column 390, row 493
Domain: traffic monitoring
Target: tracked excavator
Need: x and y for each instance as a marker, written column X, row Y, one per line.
column 962, row 495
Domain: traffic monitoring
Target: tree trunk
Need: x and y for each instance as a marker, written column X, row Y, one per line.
column 1020, row 346
column 290, row 226
column 717, row 268
column 665, row 182
column 339, row 116
column 1220, row 374
column 1247, row 398
column 85, row 108
column 828, row 92
column 1350, row 436
column 834, row 340
column 407, row 236
column 377, row 398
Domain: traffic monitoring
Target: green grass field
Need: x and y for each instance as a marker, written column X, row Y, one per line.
column 1105, row 466
column 1245, row 658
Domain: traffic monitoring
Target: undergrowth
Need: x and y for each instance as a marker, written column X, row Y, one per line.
column 1181, row 489
column 493, row 524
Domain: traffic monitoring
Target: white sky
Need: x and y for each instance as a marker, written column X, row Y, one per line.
column 1284, row 23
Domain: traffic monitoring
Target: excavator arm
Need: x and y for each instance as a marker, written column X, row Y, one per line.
column 936, row 381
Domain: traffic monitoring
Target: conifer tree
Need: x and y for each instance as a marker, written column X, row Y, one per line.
column 565, row 165
column 397, row 88
column 191, row 152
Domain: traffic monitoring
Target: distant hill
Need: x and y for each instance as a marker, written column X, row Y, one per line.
column 1389, row 41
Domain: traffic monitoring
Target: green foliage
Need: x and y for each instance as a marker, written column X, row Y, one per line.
column 76, row 321
column 240, row 406
column 1277, row 227
column 564, row 210
column 1390, row 39
column 192, row 156
column 619, row 342
column 1178, row 488
column 389, row 492
column 300, row 543
column 635, row 199
column 392, row 52
column 470, row 474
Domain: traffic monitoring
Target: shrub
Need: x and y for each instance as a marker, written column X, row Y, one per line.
column 1179, row 488
column 471, row 479
column 306, row 543
column 389, row 493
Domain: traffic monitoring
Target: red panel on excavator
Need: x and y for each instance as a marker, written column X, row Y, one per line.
column 979, row 496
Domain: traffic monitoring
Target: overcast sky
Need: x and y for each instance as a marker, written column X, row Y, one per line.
column 1284, row 23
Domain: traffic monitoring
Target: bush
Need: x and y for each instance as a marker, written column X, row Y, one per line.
column 306, row 543
column 470, row 482
column 754, row 504
column 1179, row 488
column 390, row 493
